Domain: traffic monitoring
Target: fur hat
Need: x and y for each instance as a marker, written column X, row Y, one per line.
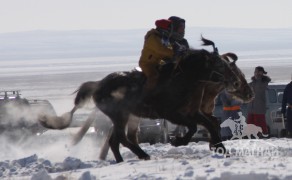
column 176, row 22
column 163, row 24
column 260, row 68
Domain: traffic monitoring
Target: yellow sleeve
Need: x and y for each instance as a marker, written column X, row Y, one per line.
column 154, row 44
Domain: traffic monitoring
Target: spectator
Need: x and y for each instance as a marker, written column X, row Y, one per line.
column 231, row 108
column 257, row 107
column 287, row 102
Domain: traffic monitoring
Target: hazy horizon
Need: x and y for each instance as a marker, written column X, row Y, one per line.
column 101, row 43
column 52, row 64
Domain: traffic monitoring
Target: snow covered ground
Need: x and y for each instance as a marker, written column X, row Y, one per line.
column 51, row 156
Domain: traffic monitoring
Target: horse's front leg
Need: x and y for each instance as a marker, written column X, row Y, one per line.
column 182, row 141
column 190, row 111
column 215, row 141
column 186, row 121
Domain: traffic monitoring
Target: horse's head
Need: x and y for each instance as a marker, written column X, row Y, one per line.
column 221, row 71
column 204, row 66
column 244, row 92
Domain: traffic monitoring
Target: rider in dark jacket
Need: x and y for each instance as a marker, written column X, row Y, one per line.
column 179, row 43
column 287, row 101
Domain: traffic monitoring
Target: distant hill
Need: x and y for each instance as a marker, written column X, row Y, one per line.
column 96, row 43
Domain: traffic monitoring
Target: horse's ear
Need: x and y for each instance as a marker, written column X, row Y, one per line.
column 224, row 57
column 230, row 55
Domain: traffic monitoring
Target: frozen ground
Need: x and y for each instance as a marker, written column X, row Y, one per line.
column 51, row 156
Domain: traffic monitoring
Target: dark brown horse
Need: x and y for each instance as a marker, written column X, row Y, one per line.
column 177, row 99
column 244, row 94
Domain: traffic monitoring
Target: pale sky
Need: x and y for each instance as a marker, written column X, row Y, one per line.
column 26, row 15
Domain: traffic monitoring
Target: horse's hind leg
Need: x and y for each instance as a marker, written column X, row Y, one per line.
column 132, row 133
column 105, row 147
column 114, row 143
column 119, row 136
column 133, row 128
column 132, row 142
column 135, row 148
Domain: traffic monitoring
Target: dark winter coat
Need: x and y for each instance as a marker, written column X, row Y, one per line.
column 287, row 100
column 258, row 105
column 228, row 103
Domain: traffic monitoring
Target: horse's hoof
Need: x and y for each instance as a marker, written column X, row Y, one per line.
column 212, row 146
column 147, row 157
column 178, row 141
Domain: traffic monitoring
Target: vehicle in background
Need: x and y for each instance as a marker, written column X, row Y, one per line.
column 19, row 117
column 154, row 131
column 160, row 130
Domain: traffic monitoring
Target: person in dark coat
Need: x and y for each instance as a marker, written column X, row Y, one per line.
column 257, row 107
column 231, row 108
column 287, row 102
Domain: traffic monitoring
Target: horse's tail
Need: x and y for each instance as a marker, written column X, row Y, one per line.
column 84, row 92
column 77, row 138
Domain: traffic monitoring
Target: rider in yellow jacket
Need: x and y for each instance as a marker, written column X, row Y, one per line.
column 156, row 48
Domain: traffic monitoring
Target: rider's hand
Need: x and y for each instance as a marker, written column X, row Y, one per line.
column 181, row 50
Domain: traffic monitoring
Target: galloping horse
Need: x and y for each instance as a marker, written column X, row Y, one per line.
column 244, row 93
column 176, row 99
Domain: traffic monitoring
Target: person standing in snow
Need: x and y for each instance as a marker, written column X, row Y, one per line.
column 231, row 108
column 257, row 107
column 287, row 102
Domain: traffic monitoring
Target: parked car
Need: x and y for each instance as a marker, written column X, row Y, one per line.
column 154, row 131
column 19, row 116
column 160, row 130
